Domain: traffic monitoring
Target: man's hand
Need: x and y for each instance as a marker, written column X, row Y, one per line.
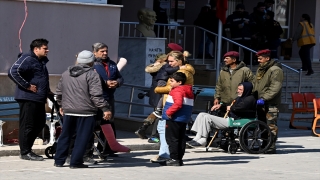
column 61, row 111
column 215, row 107
column 32, row 88
column 228, row 108
column 170, row 117
column 112, row 84
column 216, row 101
column 107, row 115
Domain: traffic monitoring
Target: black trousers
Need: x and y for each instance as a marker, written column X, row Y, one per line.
column 175, row 137
column 31, row 121
column 98, row 121
column 304, row 54
column 83, row 127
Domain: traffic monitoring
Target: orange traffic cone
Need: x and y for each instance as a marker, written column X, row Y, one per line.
column 113, row 143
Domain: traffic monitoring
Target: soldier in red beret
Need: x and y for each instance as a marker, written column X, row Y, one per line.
column 233, row 73
column 268, row 84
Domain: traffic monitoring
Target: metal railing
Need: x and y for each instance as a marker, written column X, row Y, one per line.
column 127, row 29
column 196, row 90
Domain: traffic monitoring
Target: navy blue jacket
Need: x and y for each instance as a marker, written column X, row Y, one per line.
column 29, row 69
column 114, row 74
column 165, row 71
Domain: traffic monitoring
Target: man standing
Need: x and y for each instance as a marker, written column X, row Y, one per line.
column 240, row 27
column 231, row 75
column 79, row 93
column 111, row 79
column 268, row 84
column 30, row 74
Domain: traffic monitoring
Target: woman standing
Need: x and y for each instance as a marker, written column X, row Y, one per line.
column 306, row 40
column 175, row 59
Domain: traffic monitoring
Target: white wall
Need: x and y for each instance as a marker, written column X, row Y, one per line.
column 69, row 27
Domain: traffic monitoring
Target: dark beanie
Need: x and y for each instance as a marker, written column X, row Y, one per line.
column 240, row 6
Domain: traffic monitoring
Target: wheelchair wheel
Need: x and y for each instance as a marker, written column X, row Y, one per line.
column 255, row 137
column 50, row 151
column 233, row 147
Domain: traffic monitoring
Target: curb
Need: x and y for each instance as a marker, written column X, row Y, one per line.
column 133, row 147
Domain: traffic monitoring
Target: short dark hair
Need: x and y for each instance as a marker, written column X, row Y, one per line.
column 38, row 43
column 179, row 76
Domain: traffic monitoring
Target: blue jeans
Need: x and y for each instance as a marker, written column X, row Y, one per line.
column 164, row 148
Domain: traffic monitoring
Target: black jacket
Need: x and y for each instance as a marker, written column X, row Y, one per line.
column 233, row 22
column 29, row 69
column 272, row 29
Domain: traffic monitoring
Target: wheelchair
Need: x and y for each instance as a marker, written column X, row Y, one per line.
column 251, row 135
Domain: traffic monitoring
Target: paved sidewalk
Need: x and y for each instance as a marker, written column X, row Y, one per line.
column 130, row 140
column 298, row 157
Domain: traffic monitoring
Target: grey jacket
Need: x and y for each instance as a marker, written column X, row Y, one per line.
column 80, row 92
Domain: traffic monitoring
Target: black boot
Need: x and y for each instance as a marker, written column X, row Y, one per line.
column 141, row 132
column 272, row 148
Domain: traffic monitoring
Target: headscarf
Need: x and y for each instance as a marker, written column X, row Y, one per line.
column 247, row 89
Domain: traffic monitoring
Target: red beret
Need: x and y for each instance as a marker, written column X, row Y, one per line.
column 175, row 47
column 263, row 52
column 231, row 53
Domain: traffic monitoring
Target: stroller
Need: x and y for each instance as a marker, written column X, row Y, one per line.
column 107, row 131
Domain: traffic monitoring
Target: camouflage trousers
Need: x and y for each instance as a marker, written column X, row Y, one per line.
column 269, row 115
column 272, row 117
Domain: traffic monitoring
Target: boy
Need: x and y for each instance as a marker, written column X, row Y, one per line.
column 177, row 112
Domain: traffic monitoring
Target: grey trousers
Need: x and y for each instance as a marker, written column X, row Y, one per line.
column 205, row 122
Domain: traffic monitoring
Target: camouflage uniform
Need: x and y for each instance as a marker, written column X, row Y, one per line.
column 268, row 84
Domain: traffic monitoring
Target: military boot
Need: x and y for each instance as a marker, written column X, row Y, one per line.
column 272, row 148
column 141, row 132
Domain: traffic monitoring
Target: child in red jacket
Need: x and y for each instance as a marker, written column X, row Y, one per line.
column 177, row 113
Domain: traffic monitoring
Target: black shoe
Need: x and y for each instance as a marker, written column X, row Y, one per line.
column 31, row 156
column 78, row 166
column 89, row 160
column 141, row 134
column 181, row 163
column 58, row 165
column 309, row 73
column 110, row 153
column 173, row 162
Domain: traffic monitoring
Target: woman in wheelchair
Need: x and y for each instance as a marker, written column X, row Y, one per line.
column 244, row 106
